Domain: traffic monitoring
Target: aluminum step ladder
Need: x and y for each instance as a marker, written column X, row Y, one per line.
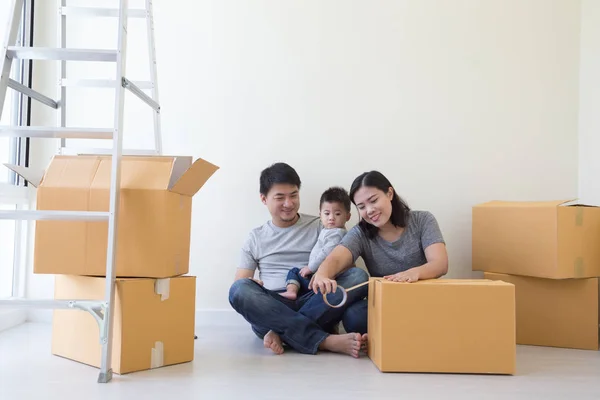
column 102, row 311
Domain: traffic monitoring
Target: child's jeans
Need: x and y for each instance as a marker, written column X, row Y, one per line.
column 294, row 277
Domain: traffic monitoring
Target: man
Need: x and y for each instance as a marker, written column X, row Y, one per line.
column 274, row 248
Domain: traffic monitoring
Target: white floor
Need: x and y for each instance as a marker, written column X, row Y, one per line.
column 231, row 363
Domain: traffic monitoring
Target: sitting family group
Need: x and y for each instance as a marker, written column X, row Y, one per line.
column 301, row 257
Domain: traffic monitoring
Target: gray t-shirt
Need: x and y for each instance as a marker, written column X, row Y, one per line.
column 328, row 239
column 274, row 250
column 386, row 258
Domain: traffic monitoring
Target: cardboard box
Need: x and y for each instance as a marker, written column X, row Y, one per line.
column 150, row 330
column 556, row 313
column 551, row 239
column 442, row 326
column 154, row 223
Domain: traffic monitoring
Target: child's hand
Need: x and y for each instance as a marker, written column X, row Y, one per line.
column 304, row 272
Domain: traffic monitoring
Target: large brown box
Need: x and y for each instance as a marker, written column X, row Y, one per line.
column 153, row 322
column 442, row 325
column 556, row 313
column 154, row 223
column 550, row 239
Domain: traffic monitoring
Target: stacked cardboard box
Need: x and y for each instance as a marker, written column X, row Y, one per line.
column 550, row 251
column 155, row 301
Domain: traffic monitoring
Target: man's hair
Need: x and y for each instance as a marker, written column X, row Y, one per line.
column 278, row 173
column 400, row 210
column 336, row 195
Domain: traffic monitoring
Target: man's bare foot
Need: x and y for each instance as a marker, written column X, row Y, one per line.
column 289, row 295
column 348, row 344
column 273, row 341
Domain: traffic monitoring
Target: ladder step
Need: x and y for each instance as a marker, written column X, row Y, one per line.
column 55, row 132
column 48, row 53
column 39, row 215
column 91, row 151
column 101, row 12
column 15, row 302
column 101, row 83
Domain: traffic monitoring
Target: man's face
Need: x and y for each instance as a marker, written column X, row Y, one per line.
column 283, row 202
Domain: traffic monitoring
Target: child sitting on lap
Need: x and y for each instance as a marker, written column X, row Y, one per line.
column 334, row 210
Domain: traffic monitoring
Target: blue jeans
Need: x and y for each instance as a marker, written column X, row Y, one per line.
column 302, row 323
column 294, row 277
column 355, row 318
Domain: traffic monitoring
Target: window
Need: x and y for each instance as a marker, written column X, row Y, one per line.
column 12, row 151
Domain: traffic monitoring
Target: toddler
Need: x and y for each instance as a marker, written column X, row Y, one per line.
column 334, row 210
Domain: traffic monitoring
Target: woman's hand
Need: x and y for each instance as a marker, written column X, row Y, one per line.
column 411, row 275
column 319, row 283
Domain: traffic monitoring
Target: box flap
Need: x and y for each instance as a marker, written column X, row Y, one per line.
column 137, row 173
column 501, row 203
column 578, row 203
column 71, row 172
column 193, row 178
column 31, row 175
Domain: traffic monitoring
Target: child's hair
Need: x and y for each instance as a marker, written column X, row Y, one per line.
column 336, row 195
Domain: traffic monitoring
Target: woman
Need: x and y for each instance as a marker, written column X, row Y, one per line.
column 394, row 241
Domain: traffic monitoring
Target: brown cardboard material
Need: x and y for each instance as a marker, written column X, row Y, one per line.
column 150, row 329
column 555, row 313
column 551, row 239
column 154, row 223
column 442, row 326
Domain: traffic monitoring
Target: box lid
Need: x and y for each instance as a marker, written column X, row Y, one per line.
column 177, row 174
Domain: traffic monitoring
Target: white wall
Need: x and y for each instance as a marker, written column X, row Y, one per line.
column 456, row 102
column 589, row 103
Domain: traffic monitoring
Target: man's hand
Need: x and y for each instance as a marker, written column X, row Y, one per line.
column 304, row 272
column 411, row 275
column 321, row 284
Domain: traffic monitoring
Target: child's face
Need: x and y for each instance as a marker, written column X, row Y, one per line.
column 333, row 215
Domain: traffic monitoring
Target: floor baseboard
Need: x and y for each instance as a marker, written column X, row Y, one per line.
column 204, row 317
column 11, row 318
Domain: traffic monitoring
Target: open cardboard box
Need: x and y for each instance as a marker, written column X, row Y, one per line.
column 154, row 222
column 545, row 239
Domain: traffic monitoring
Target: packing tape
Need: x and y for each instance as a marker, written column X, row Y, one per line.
column 579, row 216
column 163, row 287
column 579, row 267
column 344, row 294
column 157, row 356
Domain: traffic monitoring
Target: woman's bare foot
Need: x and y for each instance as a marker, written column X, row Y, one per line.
column 364, row 342
column 349, row 343
column 273, row 341
column 289, row 295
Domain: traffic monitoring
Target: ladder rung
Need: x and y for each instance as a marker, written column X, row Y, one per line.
column 55, row 132
column 14, row 302
column 101, row 83
column 108, row 152
column 39, row 215
column 48, row 53
column 101, row 12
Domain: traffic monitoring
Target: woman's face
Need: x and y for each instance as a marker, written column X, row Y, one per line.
column 374, row 205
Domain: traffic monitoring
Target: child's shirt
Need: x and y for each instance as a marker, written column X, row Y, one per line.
column 328, row 239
